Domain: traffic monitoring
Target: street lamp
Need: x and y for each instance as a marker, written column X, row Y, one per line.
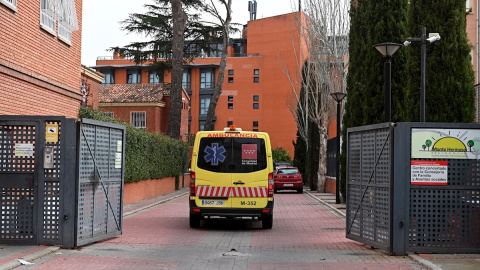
column 388, row 49
column 423, row 40
column 338, row 96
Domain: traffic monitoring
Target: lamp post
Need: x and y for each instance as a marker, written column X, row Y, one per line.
column 338, row 96
column 388, row 49
column 423, row 40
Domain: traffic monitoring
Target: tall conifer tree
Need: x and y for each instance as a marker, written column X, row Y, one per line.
column 374, row 22
column 449, row 80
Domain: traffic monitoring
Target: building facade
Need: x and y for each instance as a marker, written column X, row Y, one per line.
column 256, row 89
column 40, row 57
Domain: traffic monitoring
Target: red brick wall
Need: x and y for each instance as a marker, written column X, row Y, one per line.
column 39, row 73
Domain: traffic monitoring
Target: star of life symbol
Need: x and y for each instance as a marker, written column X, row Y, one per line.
column 215, row 154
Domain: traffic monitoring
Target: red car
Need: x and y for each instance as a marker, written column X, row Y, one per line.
column 288, row 178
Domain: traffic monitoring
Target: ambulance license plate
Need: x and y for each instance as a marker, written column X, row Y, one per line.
column 288, row 185
column 213, row 203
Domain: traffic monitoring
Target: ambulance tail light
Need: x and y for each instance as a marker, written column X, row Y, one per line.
column 270, row 185
column 192, row 183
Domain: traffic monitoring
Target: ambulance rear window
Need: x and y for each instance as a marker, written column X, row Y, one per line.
column 232, row 155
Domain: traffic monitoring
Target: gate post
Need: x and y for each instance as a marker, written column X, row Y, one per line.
column 399, row 190
column 69, row 183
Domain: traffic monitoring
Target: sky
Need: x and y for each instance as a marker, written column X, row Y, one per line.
column 101, row 22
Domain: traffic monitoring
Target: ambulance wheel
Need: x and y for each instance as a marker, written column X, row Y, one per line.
column 267, row 221
column 194, row 221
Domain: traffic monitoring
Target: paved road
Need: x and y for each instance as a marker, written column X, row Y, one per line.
column 305, row 235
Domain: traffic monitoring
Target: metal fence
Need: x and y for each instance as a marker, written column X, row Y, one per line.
column 414, row 187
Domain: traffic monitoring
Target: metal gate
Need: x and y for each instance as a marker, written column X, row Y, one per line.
column 30, row 193
column 55, row 192
column 369, row 186
column 100, row 185
column 406, row 195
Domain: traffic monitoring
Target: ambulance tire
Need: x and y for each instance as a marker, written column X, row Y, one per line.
column 194, row 221
column 300, row 190
column 267, row 221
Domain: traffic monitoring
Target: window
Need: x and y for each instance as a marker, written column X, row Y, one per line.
column 204, row 103
column 255, row 129
column 138, row 119
column 256, row 79
column 12, row 4
column 230, row 98
column 201, row 125
column 207, row 79
column 153, row 77
column 134, row 76
column 229, row 123
column 255, row 123
column 187, row 79
column 63, row 11
column 256, row 72
column 255, row 98
column 255, row 105
column 230, row 105
column 468, row 6
column 47, row 18
column 109, row 114
column 230, row 79
column 64, row 33
column 230, row 72
column 109, row 76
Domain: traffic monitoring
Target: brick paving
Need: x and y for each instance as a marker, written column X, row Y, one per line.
column 305, row 235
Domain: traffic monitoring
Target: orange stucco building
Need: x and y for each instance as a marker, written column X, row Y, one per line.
column 255, row 90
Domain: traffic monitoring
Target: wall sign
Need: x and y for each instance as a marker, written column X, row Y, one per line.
column 429, row 172
column 445, row 143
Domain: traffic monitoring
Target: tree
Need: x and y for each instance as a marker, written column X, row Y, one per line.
column 225, row 23
column 374, row 22
column 449, row 77
column 175, row 36
column 325, row 32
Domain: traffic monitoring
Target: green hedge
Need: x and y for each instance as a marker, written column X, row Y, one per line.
column 147, row 155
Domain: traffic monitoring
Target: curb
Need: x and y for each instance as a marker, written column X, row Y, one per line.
column 423, row 262
column 332, row 209
column 29, row 258
column 142, row 208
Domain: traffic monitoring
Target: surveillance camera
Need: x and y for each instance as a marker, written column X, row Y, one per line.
column 406, row 43
column 433, row 38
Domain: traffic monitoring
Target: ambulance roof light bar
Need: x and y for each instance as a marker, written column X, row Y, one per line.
column 232, row 128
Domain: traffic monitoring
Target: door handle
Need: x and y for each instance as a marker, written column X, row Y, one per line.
column 239, row 183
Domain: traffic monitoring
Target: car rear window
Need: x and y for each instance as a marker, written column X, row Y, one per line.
column 287, row 171
column 232, row 155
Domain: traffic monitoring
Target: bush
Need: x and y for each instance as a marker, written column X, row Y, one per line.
column 281, row 155
column 147, row 155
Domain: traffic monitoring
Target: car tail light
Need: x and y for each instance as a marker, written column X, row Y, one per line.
column 192, row 183
column 270, row 185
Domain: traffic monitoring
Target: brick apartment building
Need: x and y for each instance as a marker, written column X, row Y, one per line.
column 255, row 90
column 40, row 64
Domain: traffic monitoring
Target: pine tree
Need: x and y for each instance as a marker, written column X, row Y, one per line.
column 449, row 77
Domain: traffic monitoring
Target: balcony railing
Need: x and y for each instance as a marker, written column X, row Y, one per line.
column 47, row 21
column 229, row 55
column 64, row 33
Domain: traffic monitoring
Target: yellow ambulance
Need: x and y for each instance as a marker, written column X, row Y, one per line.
column 231, row 176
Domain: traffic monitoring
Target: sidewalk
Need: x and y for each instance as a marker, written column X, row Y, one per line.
column 9, row 255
